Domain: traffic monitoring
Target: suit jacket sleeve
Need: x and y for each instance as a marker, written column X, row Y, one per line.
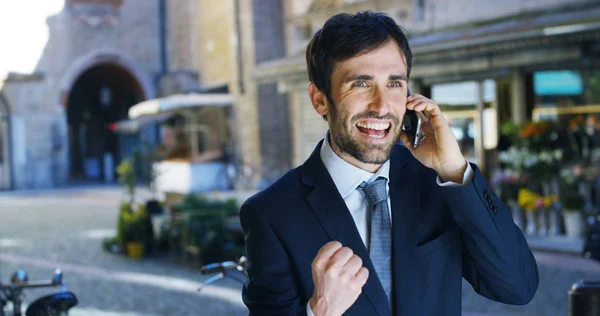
column 497, row 261
column 271, row 288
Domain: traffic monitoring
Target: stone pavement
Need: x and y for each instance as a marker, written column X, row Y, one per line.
column 64, row 229
column 44, row 230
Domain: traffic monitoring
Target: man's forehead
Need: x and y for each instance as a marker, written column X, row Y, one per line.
column 372, row 64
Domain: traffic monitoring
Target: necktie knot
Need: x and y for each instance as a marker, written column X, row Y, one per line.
column 375, row 191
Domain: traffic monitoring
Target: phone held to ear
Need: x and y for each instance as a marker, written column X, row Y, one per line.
column 411, row 125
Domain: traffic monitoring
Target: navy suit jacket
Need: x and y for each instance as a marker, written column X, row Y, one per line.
column 440, row 235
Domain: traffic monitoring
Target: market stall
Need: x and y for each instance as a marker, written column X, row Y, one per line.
column 195, row 141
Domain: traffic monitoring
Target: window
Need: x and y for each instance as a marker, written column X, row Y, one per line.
column 462, row 95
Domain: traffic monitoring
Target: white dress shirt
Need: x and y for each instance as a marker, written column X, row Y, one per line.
column 347, row 178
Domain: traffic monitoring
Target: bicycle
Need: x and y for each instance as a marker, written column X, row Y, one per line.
column 49, row 305
column 221, row 270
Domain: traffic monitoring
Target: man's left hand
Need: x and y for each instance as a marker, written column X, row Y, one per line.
column 439, row 149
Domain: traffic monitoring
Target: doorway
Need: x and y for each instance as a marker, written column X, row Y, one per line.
column 100, row 96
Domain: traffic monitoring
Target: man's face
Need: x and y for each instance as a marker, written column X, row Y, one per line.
column 369, row 93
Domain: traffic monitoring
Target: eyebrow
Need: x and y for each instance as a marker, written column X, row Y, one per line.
column 369, row 77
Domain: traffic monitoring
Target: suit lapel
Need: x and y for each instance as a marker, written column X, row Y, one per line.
column 339, row 225
column 404, row 187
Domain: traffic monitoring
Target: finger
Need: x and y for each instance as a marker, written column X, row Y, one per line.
column 416, row 96
column 326, row 252
column 353, row 265
column 421, row 105
column 429, row 107
column 362, row 276
column 341, row 257
column 426, row 127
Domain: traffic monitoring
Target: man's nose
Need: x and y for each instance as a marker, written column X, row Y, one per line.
column 380, row 102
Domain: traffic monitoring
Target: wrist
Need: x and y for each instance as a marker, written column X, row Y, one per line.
column 454, row 173
column 319, row 307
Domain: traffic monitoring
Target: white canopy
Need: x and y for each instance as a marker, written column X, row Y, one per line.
column 178, row 102
column 133, row 126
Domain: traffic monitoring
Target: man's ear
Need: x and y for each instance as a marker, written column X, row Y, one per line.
column 318, row 99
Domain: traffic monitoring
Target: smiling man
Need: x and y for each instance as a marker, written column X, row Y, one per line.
column 367, row 225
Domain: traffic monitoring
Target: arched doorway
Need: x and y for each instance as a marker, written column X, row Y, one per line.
column 100, row 96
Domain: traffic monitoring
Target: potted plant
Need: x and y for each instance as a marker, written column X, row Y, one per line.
column 133, row 232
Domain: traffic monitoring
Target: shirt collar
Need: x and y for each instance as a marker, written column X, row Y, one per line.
column 347, row 177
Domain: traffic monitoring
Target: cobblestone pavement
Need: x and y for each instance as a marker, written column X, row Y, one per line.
column 63, row 229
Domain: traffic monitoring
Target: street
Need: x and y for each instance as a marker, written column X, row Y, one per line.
column 40, row 232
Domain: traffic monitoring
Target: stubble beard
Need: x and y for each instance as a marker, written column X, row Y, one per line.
column 365, row 153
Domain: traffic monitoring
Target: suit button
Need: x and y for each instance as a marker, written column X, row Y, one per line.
column 486, row 195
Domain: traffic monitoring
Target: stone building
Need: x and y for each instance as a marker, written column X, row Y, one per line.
column 102, row 56
column 482, row 61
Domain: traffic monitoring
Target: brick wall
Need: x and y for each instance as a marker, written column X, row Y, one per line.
column 183, row 21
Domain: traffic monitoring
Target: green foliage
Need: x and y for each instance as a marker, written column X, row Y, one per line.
column 197, row 203
column 111, row 244
column 132, row 226
column 511, row 130
column 206, row 227
column 127, row 176
column 121, row 224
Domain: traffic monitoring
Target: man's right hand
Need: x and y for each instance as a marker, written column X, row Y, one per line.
column 338, row 276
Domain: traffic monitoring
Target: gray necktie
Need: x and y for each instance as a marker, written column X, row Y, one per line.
column 380, row 249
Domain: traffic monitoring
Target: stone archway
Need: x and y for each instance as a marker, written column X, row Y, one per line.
column 97, row 91
column 104, row 56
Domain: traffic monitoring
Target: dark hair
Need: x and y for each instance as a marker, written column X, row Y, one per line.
column 347, row 35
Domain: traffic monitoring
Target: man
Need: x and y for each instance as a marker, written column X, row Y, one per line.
column 367, row 226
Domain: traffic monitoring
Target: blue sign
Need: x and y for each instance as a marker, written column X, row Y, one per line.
column 560, row 82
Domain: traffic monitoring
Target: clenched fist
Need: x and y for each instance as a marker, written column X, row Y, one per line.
column 338, row 276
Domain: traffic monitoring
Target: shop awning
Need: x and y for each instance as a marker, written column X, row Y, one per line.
column 133, row 126
column 178, row 102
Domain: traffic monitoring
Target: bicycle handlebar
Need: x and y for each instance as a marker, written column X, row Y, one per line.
column 221, row 267
column 29, row 285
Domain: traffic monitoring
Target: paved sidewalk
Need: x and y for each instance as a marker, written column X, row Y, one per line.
column 560, row 244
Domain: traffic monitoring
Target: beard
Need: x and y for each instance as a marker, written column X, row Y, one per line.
column 341, row 135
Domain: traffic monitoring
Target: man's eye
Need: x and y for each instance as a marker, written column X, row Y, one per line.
column 395, row 84
column 359, row 84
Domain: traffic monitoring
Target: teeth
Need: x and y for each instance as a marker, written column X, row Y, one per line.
column 376, row 126
column 374, row 136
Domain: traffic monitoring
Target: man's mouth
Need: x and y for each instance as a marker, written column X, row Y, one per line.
column 374, row 130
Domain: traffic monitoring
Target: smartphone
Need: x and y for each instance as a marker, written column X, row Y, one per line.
column 411, row 125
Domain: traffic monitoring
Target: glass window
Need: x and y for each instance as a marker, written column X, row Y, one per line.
column 462, row 95
column 463, row 129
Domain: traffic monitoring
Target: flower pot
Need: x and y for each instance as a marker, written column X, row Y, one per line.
column 574, row 223
column 135, row 249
